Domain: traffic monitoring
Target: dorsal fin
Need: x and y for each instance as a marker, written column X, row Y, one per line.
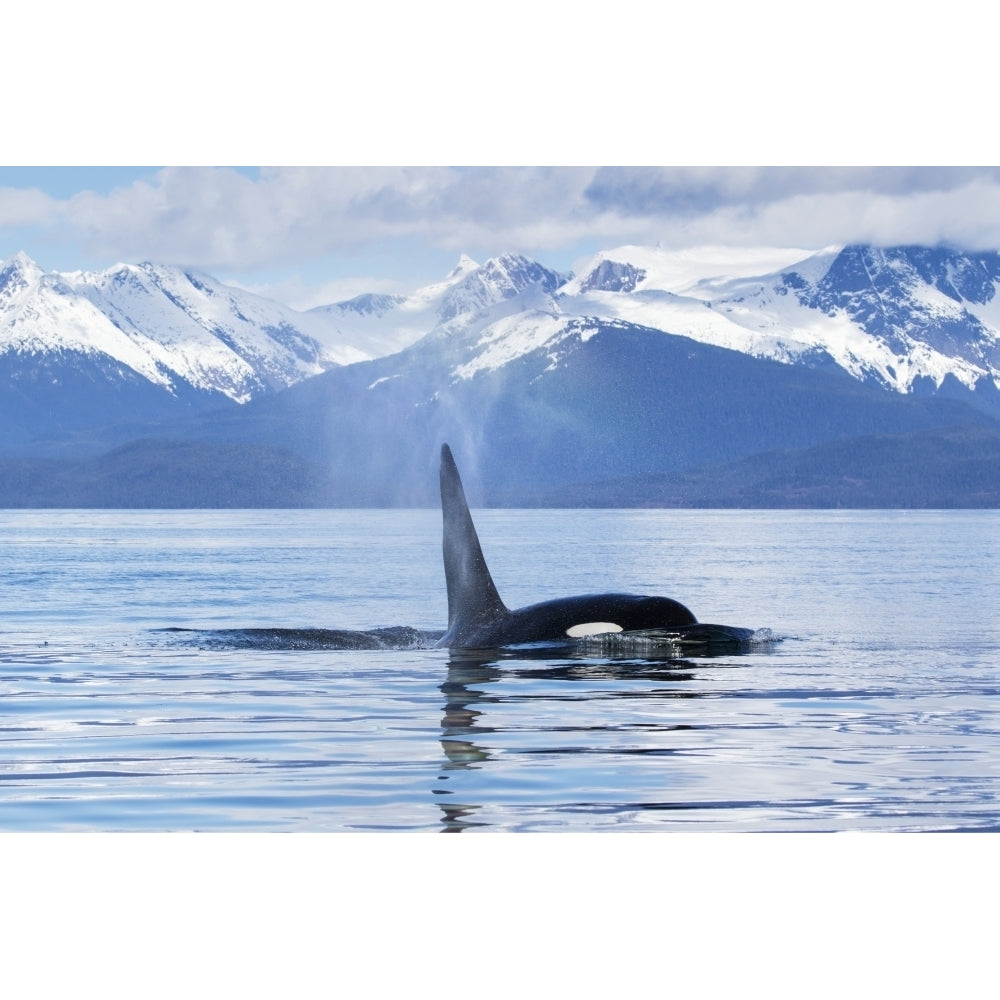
column 472, row 595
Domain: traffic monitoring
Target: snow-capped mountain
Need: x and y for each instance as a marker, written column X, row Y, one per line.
column 644, row 360
column 607, row 399
column 176, row 329
column 643, row 364
column 899, row 316
column 467, row 299
column 907, row 318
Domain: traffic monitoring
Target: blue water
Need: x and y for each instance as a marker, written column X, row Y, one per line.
column 869, row 703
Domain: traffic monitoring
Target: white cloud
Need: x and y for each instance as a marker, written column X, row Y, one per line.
column 216, row 217
column 26, row 207
column 298, row 294
column 388, row 221
column 966, row 215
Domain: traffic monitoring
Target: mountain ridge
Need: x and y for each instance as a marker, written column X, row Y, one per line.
column 941, row 468
column 537, row 378
column 620, row 400
column 900, row 316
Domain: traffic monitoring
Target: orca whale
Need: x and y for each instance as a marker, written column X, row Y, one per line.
column 478, row 618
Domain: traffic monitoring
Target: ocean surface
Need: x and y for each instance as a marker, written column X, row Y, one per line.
column 272, row 670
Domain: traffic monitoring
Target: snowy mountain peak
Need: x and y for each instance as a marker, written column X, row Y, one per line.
column 903, row 317
column 18, row 273
column 431, row 294
column 471, row 296
column 958, row 276
column 500, row 278
column 678, row 271
column 927, row 312
column 21, row 261
column 612, row 276
column 907, row 318
column 511, row 273
column 371, row 304
column 464, row 266
column 162, row 324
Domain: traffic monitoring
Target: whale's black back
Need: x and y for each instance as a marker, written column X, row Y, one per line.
column 478, row 618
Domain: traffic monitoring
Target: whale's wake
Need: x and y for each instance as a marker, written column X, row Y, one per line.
column 392, row 637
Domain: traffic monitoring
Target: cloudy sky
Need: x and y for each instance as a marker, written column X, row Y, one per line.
column 402, row 84
column 312, row 234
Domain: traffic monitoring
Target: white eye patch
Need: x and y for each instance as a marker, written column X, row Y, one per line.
column 592, row 628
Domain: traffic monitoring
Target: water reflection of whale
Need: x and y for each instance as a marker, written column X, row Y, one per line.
column 467, row 735
column 461, row 728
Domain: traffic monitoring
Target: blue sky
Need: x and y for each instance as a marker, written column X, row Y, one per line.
column 399, row 84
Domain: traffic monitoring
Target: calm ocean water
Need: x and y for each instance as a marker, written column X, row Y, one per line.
column 159, row 671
